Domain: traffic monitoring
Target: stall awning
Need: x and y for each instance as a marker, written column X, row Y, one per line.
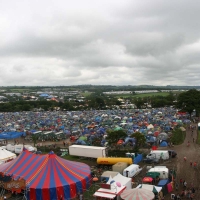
column 147, row 179
column 105, row 195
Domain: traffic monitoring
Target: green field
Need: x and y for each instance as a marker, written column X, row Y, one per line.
column 85, row 94
column 141, row 95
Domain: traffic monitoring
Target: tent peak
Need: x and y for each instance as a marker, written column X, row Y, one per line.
column 51, row 152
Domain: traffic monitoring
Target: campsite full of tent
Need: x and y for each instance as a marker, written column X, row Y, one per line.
column 85, row 126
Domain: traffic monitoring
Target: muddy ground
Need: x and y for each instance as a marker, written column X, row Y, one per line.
column 183, row 168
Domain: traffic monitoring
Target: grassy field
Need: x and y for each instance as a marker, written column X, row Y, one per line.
column 141, row 95
column 90, row 162
column 85, row 94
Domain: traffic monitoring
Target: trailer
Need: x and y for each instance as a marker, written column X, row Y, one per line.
column 87, row 151
column 113, row 160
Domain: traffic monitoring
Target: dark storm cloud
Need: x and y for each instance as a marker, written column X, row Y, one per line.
column 106, row 42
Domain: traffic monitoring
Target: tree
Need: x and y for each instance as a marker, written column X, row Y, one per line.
column 140, row 139
column 139, row 103
column 189, row 101
column 114, row 136
column 96, row 142
column 34, row 138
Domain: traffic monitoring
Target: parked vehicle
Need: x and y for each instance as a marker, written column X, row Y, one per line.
column 151, row 160
column 158, row 154
column 107, row 162
column 132, row 171
column 18, row 148
column 119, row 167
column 10, row 147
column 162, row 170
column 172, row 153
column 87, row 151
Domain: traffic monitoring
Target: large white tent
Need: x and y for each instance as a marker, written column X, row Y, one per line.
column 117, row 184
column 6, row 156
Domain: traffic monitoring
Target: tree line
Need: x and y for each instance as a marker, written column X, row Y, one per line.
column 188, row 101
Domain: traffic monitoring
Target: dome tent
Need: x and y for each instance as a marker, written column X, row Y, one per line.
column 49, row 177
column 163, row 144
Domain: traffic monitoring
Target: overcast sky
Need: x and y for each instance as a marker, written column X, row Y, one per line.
column 106, row 42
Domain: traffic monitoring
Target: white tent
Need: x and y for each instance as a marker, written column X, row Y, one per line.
column 107, row 174
column 117, row 184
column 114, row 190
column 150, row 126
column 6, row 156
column 124, row 181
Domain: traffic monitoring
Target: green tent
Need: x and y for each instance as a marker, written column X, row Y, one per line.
column 152, row 188
column 83, row 138
column 153, row 174
column 117, row 128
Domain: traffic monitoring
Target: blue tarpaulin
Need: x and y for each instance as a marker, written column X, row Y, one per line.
column 11, row 135
column 138, row 158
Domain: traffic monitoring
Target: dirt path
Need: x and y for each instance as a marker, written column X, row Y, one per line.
column 184, row 170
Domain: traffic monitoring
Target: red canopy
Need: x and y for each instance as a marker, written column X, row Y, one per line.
column 147, row 179
column 154, row 147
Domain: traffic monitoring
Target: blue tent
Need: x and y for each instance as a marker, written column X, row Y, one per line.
column 163, row 144
column 44, row 95
column 11, row 135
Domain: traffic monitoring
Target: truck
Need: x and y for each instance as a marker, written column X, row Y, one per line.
column 162, row 170
column 172, row 153
column 108, row 162
column 87, row 151
column 132, row 171
column 158, row 154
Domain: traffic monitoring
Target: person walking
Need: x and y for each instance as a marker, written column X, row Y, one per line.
column 195, row 165
column 184, row 184
column 175, row 197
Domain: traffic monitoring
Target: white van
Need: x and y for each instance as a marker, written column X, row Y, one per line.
column 19, row 148
column 163, row 170
column 30, row 148
column 158, row 154
column 132, row 171
column 10, row 147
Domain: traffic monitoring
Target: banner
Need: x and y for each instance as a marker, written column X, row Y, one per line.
column 15, row 185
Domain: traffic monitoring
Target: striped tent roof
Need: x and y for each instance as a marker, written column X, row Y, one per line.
column 49, row 177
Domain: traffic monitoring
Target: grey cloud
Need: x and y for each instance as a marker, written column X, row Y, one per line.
column 107, row 42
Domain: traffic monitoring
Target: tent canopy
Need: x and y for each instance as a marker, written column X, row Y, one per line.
column 5, row 155
column 151, row 188
column 153, row 174
column 147, row 179
column 137, row 193
column 49, row 176
column 11, row 135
